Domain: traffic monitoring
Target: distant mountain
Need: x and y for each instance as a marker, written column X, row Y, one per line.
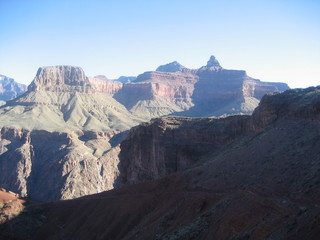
column 171, row 67
column 9, row 89
column 64, row 98
column 60, row 139
column 208, row 91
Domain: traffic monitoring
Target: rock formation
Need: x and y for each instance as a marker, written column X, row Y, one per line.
column 208, row 91
column 62, row 97
column 171, row 67
column 172, row 144
column 57, row 165
column 255, row 178
column 158, row 93
column 59, row 139
column 9, row 89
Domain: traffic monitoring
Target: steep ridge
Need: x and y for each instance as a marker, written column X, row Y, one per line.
column 262, row 182
column 208, row 91
column 10, row 89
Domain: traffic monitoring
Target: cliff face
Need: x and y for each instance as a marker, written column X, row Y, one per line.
column 158, row 93
column 208, row 91
column 220, row 91
column 49, row 166
column 70, row 79
column 174, row 144
column 10, row 89
column 101, row 84
column 60, row 139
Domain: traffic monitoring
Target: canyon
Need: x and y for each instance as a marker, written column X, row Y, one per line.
column 60, row 139
column 240, row 177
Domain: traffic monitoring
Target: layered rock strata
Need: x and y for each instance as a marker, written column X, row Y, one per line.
column 208, row 91
column 62, row 106
column 60, row 139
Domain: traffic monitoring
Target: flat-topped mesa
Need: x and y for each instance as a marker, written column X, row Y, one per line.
column 71, row 79
column 56, row 78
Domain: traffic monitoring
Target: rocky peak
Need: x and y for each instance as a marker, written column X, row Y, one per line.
column 171, row 67
column 48, row 77
column 213, row 62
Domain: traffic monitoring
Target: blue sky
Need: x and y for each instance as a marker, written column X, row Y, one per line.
column 272, row 40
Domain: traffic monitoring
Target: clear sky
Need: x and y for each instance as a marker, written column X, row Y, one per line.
column 274, row 40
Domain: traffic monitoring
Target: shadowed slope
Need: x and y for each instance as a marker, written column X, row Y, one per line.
column 263, row 184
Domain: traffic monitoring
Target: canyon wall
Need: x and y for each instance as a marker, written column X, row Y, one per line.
column 49, row 166
column 171, row 144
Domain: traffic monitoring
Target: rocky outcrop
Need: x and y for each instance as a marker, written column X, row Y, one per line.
column 10, row 206
column 294, row 103
column 48, row 166
column 9, row 89
column 70, row 79
column 212, row 65
column 53, row 78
